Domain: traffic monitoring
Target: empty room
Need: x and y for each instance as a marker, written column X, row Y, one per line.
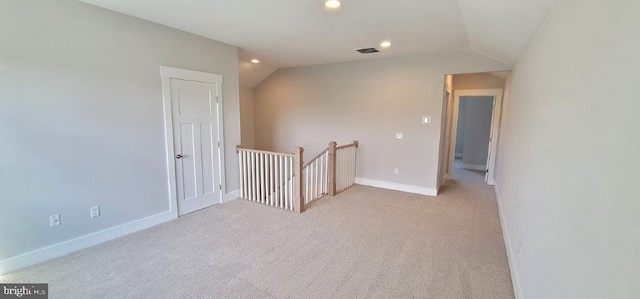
column 319, row 149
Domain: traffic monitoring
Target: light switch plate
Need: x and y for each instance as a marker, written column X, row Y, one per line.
column 94, row 211
column 426, row 120
column 54, row 220
column 399, row 135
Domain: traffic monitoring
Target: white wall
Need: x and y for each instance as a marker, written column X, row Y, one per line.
column 567, row 176
column 477, row 81
column 81, row 118
column 247, row 116
column 367, row 101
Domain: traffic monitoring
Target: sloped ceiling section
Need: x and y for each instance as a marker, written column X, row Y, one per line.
column 500, row 29
column 288, row 33
column 252, row 74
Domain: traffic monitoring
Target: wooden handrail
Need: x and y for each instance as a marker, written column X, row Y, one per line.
column 263, row 152
column 316, row 157
column 355, row 143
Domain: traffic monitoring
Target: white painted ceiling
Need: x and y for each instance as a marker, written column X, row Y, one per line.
column 287, row 33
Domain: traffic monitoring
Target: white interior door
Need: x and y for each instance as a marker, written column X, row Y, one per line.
column 195, row 115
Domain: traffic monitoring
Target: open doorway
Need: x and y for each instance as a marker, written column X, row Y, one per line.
column 471, row 111
column 471, row 138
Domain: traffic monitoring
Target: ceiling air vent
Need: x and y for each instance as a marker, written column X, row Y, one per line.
column 368, row 50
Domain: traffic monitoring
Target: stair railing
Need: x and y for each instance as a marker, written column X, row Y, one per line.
column 283, row 180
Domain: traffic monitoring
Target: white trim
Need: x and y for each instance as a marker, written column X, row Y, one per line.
column 515, row 277
column 445, row 144
column 233, row 195
column 169, row 146
column 495, row 133
column 168, row 73
column 397, row 187
column 66, row 247
column 223, row 169
column 453, row 135
column 474, row 167
column 174, row 73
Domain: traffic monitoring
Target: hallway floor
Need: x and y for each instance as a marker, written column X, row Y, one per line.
column 364, row 243
column 466, row 176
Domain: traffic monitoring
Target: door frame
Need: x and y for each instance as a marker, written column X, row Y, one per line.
column 444, row 173
column 495, row 126
column 168, row 73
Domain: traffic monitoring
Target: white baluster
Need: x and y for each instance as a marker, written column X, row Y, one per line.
column 315, row 179
column 277, row 178
column 286, row 180
column 306, row 180
column 270, row 174
column 253, row 175
column 245, row 174
column 291, row 183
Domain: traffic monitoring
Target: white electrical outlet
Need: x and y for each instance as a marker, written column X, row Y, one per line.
column 396, row 171
column 54, row 220
column 426, row 120
column 95, row 211
column 399, row 135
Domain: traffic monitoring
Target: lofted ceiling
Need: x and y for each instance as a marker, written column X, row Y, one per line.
column 287, row 33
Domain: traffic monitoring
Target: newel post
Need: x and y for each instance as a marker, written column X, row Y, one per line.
column 331, row 172
column 298, row 200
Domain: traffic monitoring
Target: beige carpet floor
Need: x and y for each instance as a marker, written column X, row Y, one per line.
column 365, row 243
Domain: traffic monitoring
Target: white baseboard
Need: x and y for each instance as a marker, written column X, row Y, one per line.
column 233, row 195
column 515, row 278
column 397, row 187
column 66, row 247
column 474, row 167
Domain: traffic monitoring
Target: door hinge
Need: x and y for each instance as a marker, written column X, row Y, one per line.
column 218, row 143
column 217, row 99
column 220, row 186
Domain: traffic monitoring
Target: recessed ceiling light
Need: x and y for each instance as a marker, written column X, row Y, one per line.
column 332, row 3
column 255, row 61
column 385, row 44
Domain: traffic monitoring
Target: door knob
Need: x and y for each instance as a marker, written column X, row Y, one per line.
column 179, row 156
